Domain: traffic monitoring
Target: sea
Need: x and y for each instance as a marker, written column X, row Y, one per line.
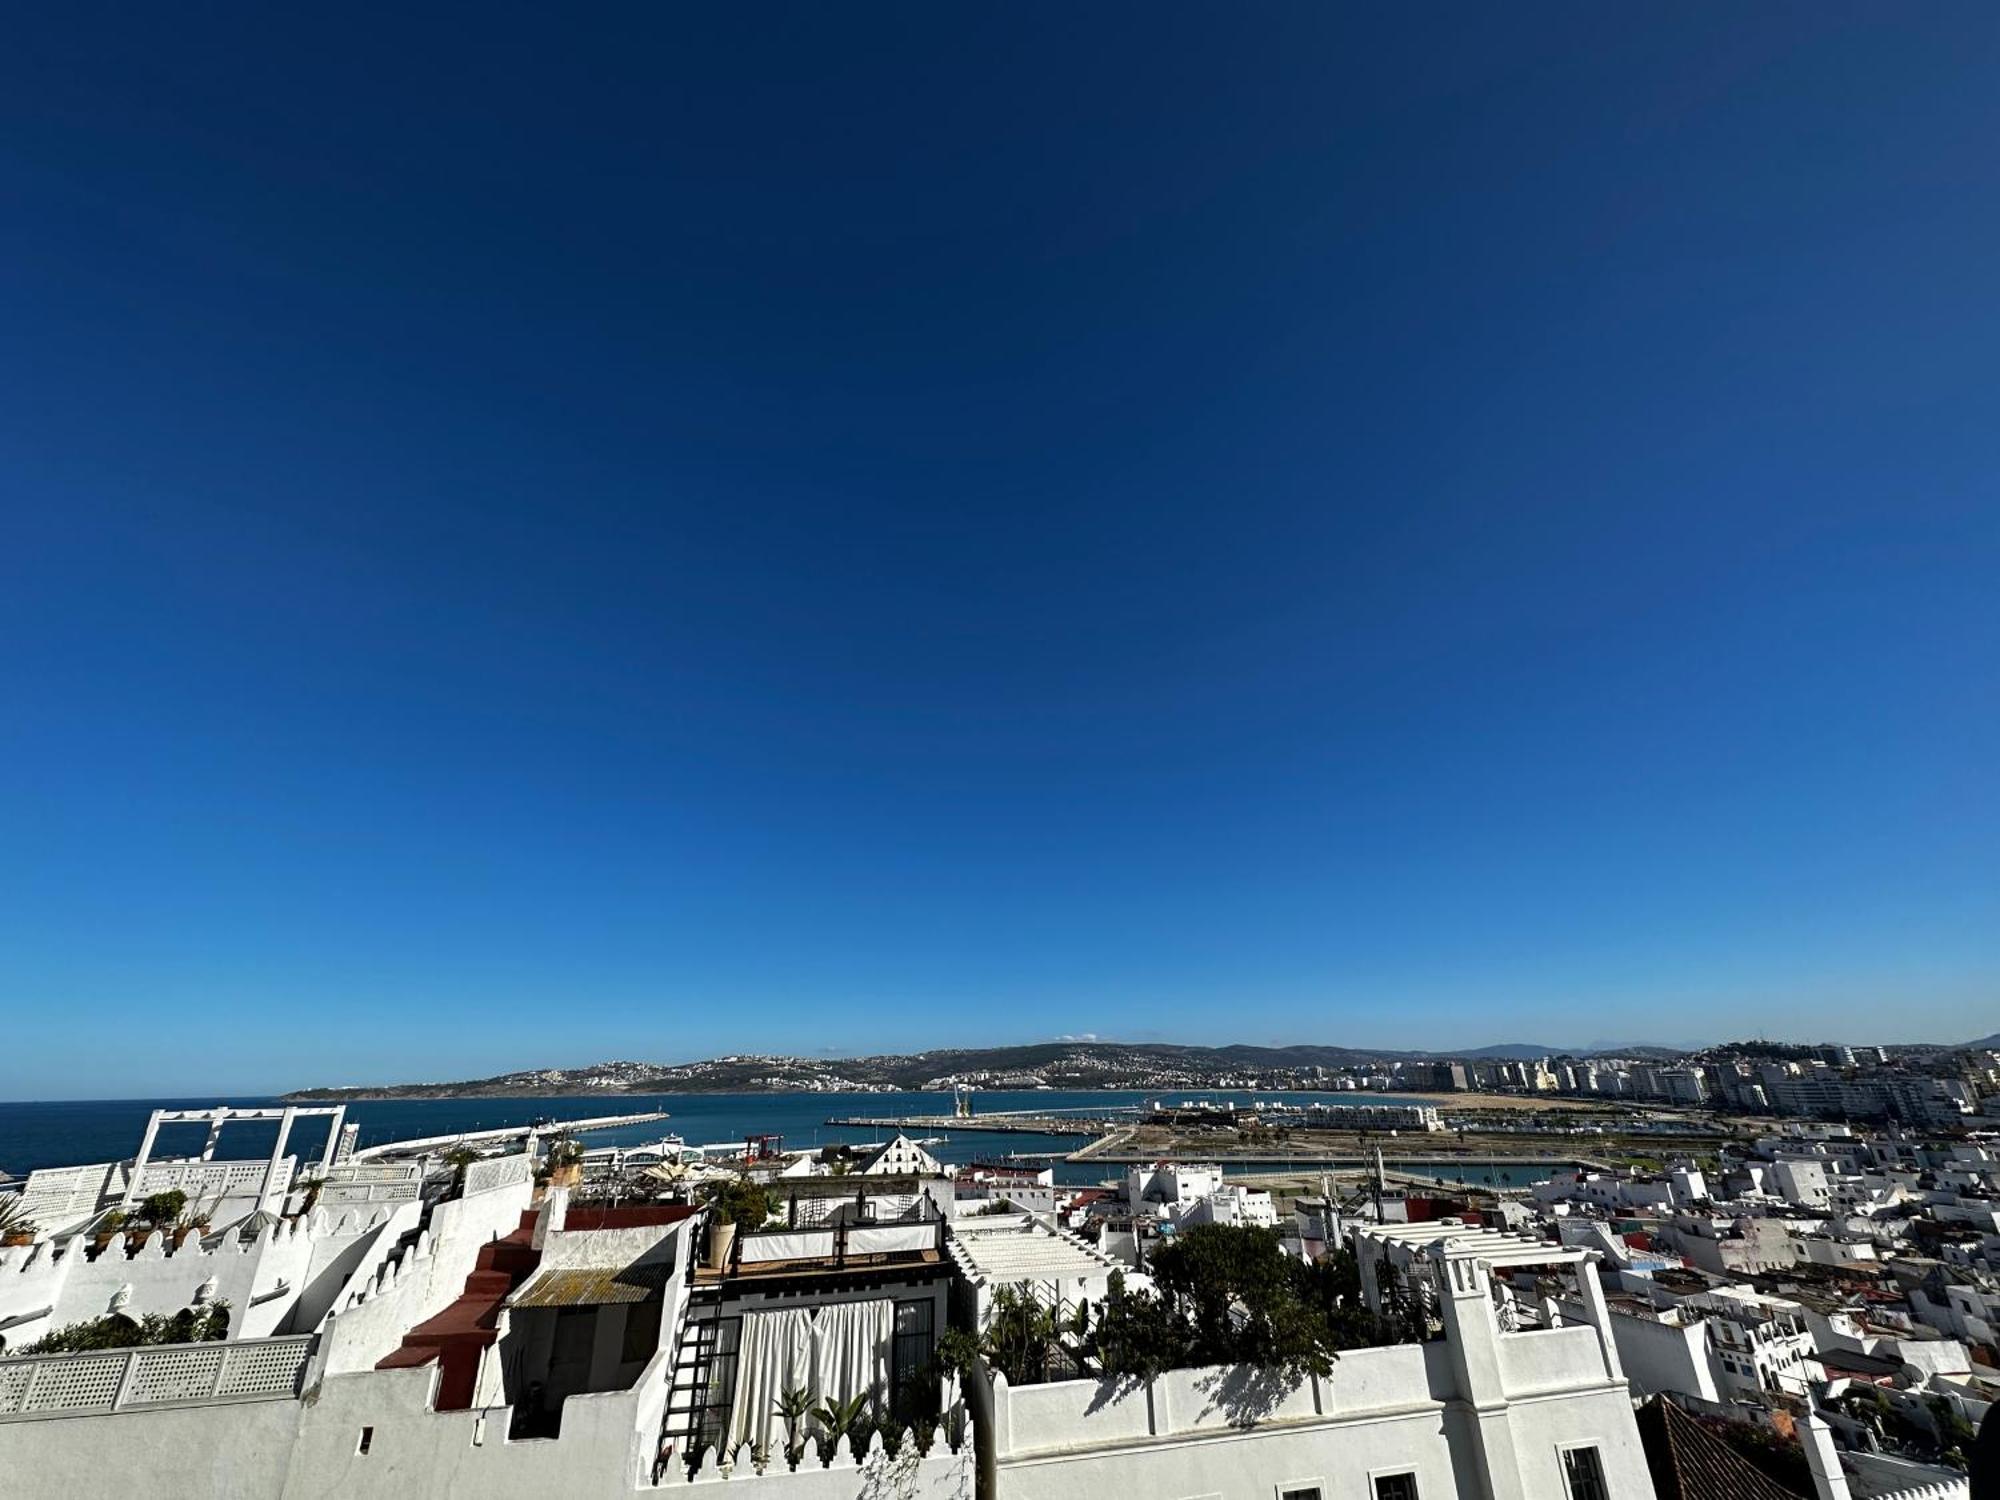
column 74, row 1132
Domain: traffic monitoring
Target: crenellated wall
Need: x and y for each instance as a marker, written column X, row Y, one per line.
column 261, row 1279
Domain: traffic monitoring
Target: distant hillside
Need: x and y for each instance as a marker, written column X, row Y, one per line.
column 1057, row 1065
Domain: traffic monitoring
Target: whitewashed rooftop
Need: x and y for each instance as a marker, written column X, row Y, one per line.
column 1023, row 1248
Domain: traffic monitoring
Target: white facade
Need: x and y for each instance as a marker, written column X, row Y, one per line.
column 1230, row 1204
column 1801, row 1182
column 1168, row 1188
column 1476, row 1414
column 903, row 1157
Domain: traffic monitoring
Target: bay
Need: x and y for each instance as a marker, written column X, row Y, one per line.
column 74, row 1132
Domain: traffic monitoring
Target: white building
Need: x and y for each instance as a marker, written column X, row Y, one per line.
column 516, row 1351
column 1028, row 1189
column 1421, row 1117
column 1231, row 1204
column 1169, row 1188
column 902, row 1157
column 1801, row 1181
column 1762, row 1344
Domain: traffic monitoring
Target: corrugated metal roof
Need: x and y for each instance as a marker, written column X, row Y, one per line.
column 592, row 1286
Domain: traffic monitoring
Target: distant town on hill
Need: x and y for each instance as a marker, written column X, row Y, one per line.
column 1068, row 1064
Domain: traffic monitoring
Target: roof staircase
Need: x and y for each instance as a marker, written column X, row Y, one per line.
column 456, row 1337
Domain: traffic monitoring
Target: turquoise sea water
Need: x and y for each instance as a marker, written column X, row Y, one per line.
column 65, row 1133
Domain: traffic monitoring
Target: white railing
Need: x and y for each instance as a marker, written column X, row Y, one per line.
column 99, row 1381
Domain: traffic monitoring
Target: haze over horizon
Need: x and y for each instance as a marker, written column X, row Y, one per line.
column 825, row 531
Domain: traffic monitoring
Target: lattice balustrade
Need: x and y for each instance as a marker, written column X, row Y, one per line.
column 14, row 1381
column 496, row 1172
column 178, row 1373
column 76, row 1383
column 58, row 1385
column 265, row 1368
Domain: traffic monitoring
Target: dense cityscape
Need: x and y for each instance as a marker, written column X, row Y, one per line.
column 1927, row 1084
column 1774, row 1265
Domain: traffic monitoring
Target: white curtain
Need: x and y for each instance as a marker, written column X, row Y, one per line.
column 841, row 1351
column 773, row 1354
column 851, row 1348
column 804, row 1245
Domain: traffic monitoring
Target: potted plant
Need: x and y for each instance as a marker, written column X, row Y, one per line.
column 737, row 1204
column 836, row 1419
column 108, row 1225
column 891, row 1427
column 159, row 1210
column 861, row 1429
column 920, row 1400
column 794, row 1406
column 565, row 1162
column 16, row 1228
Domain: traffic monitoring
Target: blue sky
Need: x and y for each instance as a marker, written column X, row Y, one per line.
column 534, row 538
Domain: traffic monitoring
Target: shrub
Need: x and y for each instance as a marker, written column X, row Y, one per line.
column 191, row 1325
column 739, row 1201
column 161, row 1209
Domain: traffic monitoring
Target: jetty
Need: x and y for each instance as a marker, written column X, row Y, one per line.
column 506, row 1133
column 1017, row 1124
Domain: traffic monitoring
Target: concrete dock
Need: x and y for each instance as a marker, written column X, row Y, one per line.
column 506, row 1133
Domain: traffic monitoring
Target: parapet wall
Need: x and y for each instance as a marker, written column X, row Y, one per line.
column 1065, row 1416
column 259, row 1278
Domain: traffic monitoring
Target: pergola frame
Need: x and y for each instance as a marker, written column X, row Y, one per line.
column 225, row 1114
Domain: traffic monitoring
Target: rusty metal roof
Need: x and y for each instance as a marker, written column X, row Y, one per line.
column 592, row 1286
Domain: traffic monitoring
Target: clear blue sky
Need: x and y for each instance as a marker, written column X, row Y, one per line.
column 532, row 537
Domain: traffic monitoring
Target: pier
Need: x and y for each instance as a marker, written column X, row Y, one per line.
column 507, row 1133
column 1043, row 1124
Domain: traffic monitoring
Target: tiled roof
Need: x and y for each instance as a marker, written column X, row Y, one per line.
column 1691, row 1463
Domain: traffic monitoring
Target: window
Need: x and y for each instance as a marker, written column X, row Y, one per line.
column 1584, row 1474
column 1396, row 1487
column 1302, row 1492
column 642, row 1330
column 910, row 1359
column 367, row 1441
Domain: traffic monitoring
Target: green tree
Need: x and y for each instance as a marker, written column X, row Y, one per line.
column 1138, row 1336
column 1245, row 1300
column 160, row 1209
column 739, row 1201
